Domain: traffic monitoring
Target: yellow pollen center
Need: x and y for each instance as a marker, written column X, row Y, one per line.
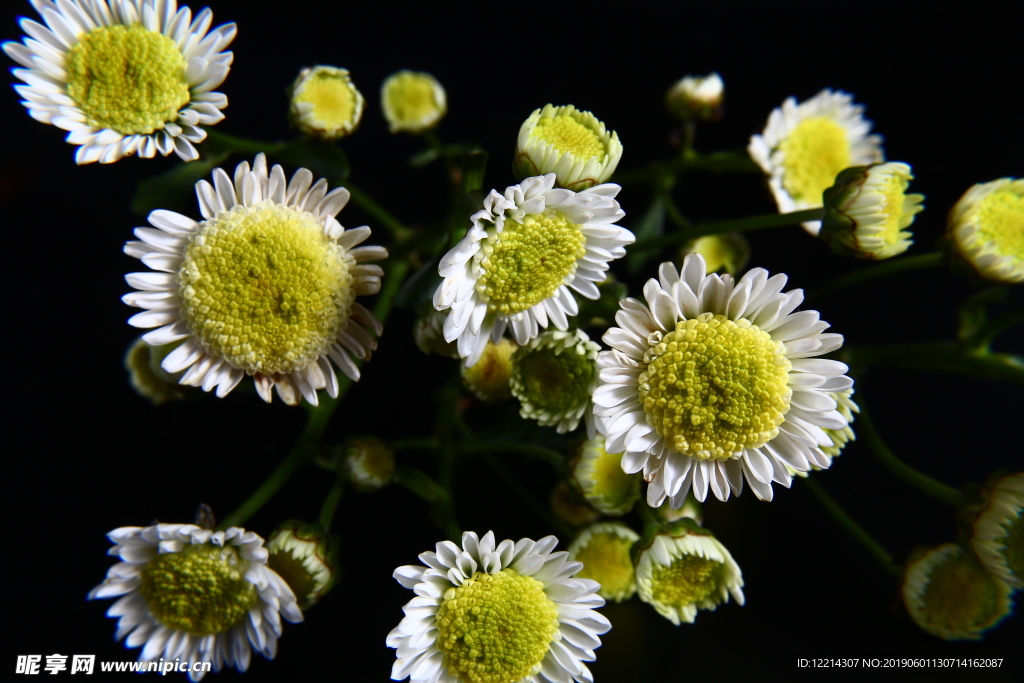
column 1000, row 221
column 609, row 481
column 814, row 153
column 962, row 596
column 606, row 560
column 127, row 78
column 714, row 387
column 495, row 628
column 553, row 382
column 688, row 580
column 411, row 98
column 894, row 198
column 566, row 134
column 526, row 262
column 264, row 288
column 201, row 590
column 332, row 98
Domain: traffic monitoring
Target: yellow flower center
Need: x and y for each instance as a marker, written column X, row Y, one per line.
column 201, row 590
column 605, row 481
column 606, row 560
column 714, row 387
column 495, row 628
column 526, row 262
column 566, row 134
column 332, row 99
column 689, row 580
column 962, row 597
column 814, row 153
column 1000, row 221
column 411, row 101
column 552, row 382
column 127, row 78
column 264, row 288
column 894, row 207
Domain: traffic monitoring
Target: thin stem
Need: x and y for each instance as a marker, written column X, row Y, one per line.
column 855, row 530
column 553, row 458
column 982, row 339
column 906, row 264
column 241, row 145
column 944, row 356
column 647, row 514
column 712, row 162
column 331, row 504
column 771, row 220
column 562, row 529
column 383, row 216
column 922, row 482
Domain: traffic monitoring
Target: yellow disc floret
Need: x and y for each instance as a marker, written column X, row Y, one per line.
column 265, row 288
column 127, row 78
column 552, row 380
column 495, row 628
column 412, row 101
column 606, row 560
column 962, row 597
column 714, row 387
column 814, row 153
column 526, row 262
column 201, row 590
column 1000, row 224
column 566, row 134
column 689, row 580
column 334, row 104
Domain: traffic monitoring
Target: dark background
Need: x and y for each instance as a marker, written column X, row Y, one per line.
column 86, row 455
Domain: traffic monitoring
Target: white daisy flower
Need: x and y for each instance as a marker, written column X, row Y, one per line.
column 805, row 146
column 123, row 77
column 604, row 549
column 325, row 103
column 997, row 535
column 714, row 381
column 683, row 568
column 505, row 613
column 413, row 101
column 951, row 596
column 696, row 98
column 986, row 229
column 522, row 254
column 264, row 285
column 599, row 477
column 572, row 144
column 306, row 557
column 553, row 377
column 195, row 594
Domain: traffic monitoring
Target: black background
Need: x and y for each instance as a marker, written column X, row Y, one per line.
column 86, row 455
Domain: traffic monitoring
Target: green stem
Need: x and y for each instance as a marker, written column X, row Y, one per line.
column 906, row 264
column 855, row 530
column 982, row 339
column 712, row 162
column 944, row 356
column 771, row 220
column 394, row 226
column 922, row 482
column 562, row 529
column 648, row 515
column 331, row 504
column 239, row 145
column 553, row 458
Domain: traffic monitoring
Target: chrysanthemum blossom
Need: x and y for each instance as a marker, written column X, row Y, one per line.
column 123, row 77
column 572, row 144
column 696, row 98
column 951, row 596
column 265, row 285
column 604, row 550
column 998, row 531
column 413, row 101
column 683, row 568
column 715, row 381
column 488, row 379
column 599, row 477
column 325, row 103
column 306, row 557
column 196, row 595
column 804, row 147
column 986, row 229
column 553, row 377
column 523, row 253
column 868, row 211
column 497, row 613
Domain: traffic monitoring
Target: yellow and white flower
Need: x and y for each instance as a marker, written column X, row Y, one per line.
column 599, row 477
column 715, row 381
column 265, row 285
column 986, row 229
column 804, row 147
column 413, row 101
column 123, row 77
column 696, row 98
column 325, row 103
column 998, row 530
column 509, row 612
column 604, row 550
column 553, row 377
column 489, row 379
column 523, row 253
column 197, row 595
column 306, row 558
column 572, row 144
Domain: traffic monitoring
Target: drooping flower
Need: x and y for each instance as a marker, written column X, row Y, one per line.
column 599, row 477
column 951, row 596
column 523, row 253
column 572, row 144
column 198, row 595
column 306, row 558
column 502, row 613
column 265, row 285
column 489, row 378
column 683, row 568
column 413, row 101
column 325, row 103
column 553, row 377
column 804, row 147
column 604, row 549
column 998, row 530
column 123, row 77
column 147, row 378
column 369, row 463
column 696, row 98
column 986, row 229
column 715, row 381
